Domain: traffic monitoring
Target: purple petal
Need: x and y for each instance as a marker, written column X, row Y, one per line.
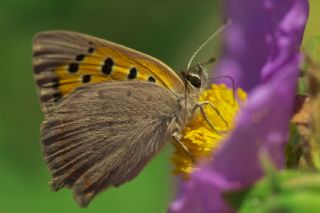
column 262, row 126
column 195, row 196
column 250, row 39
column 265, row 60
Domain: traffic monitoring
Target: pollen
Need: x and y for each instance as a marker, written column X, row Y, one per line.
column 199, row 137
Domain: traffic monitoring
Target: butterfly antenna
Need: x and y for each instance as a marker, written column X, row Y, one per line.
column 210, row 61
column 232, row 84
column 213, row 35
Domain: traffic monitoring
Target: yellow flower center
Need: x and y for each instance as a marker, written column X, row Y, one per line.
column 201, row 140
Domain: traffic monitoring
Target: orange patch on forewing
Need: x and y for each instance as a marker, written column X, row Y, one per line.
column 146, row 67
column 92, row 64
column 64, row 61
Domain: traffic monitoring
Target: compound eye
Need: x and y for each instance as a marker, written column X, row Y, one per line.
column 194, row 80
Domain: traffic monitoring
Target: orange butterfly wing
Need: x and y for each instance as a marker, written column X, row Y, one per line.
column 64, row 61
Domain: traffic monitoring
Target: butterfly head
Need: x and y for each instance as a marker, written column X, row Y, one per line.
column 195, row 77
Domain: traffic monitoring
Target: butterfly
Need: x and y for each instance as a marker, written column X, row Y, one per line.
column 108, row 109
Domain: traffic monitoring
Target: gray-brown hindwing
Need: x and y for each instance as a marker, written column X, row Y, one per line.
column 103, row 134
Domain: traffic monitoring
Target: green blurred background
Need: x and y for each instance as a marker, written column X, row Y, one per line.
column 169, row 30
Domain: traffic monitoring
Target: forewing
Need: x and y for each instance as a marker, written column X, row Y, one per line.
column 103, row 134
column 64, row 61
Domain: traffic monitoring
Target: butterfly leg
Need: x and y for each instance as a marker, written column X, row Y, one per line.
column 201, row 105
column 176, row 140
column 215, row 109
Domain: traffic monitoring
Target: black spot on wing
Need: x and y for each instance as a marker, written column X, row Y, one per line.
column 91, row 50
column 107, row 66
column 73, row 67
column 151, row 79
column 86, row 78
column 80, row 57
column 132, row 73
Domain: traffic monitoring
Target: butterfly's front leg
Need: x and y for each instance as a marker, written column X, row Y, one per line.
column 176, row 136
column 200, row 105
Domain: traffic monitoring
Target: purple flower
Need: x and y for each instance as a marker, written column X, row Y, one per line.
column 262, row 55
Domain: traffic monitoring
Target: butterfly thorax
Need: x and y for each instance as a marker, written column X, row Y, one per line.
column 195, row 81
